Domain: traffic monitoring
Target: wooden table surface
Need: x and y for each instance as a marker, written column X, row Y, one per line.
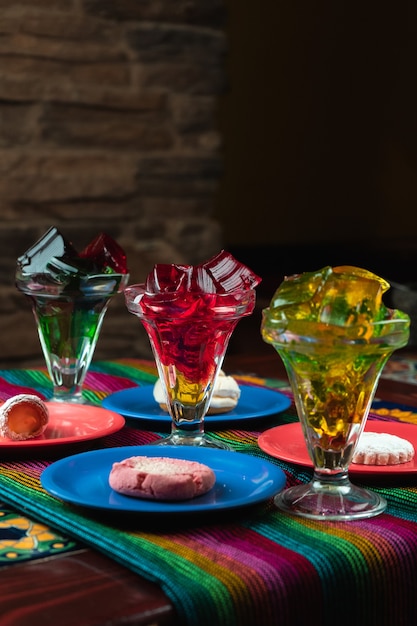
column 85, row 588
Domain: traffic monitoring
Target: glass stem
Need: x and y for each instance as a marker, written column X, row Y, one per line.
column 72, row 394
column 329, row 482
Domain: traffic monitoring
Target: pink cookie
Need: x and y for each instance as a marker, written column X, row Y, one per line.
column 161, row 478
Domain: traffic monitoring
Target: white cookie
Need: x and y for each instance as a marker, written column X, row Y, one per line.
column 382, row 449
column 226, row 394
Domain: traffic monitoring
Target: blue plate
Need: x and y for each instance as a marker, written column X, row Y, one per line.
column 254, row 402
column 241, row 480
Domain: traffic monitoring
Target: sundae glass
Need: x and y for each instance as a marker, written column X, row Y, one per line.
column 69, row 295
column 189, row 313
column 334, row 336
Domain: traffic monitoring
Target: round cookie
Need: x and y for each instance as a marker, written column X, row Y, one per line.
column 226, row 394
column 23, row 416
column 161, row 478
column 382, row 449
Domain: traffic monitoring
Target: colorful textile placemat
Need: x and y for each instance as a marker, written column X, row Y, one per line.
column 22, row 539
column 252, row 566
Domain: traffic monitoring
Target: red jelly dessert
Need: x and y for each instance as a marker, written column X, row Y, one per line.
column 189, row 313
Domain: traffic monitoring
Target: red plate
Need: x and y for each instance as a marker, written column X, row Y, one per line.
column 71, row 423
column 287, row 444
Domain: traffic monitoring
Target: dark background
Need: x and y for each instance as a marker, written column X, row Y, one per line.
column 320, row 137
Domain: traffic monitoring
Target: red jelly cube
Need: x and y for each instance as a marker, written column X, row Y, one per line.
column 221, row 274
column 224, row 274
column 106, row 254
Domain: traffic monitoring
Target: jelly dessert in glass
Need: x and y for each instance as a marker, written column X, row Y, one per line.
column 334, row 336
column 189, row 313
column 69, row 294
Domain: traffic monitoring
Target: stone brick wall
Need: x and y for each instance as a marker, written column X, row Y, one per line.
column 107, row 123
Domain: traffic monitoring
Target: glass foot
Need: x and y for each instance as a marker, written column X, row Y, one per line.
column 201, row 441
column 330, row 501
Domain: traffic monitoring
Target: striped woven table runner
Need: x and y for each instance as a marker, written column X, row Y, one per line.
column 254, row 566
